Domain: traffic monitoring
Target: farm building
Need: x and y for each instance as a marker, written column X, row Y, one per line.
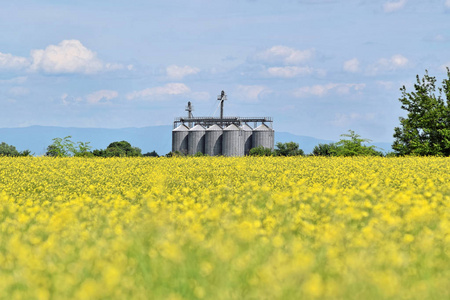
column 228, row 136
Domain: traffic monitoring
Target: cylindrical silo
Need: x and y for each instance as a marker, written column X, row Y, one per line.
column 247, row 138
column 213, row 140
column 180, row 139
column 263, row 136
column 233, row 141
column 196, row 140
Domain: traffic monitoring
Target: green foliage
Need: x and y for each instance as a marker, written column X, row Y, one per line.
column 354, row 146
column 63, row 147
column 174, row 154
column 151, row 154
column 120, row 149
column 10, row 150
column 261, row 151
column 324, row 149
column 288, row 149
column 426, row 129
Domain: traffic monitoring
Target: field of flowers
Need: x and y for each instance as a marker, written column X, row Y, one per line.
column 225, row 228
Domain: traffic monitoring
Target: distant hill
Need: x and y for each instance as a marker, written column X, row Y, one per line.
column 158, row 138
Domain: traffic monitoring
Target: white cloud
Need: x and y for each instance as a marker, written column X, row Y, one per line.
column 101, row 96
column 200, row 96
column 284, row 55
column 322, row 90
column 351, row 65
column 388, row 85
column 447, row 3
column 176, row 72
column 9, row 61
column 69, row 56
column 440, row 37
column 391, row 6
column 344, row 120
column 389, row 64
column 399, row 60
column 104, row 95
column 251, row 93
column 15, row 80
column 289, row 71
column 67, row 99
column 168, row 89
column 18, row 91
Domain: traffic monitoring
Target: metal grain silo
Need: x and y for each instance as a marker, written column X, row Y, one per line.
column 247, row 138
column 196, row 140
column 233, row 141
column 213, row 140
column 263, row 135
column 180, row 139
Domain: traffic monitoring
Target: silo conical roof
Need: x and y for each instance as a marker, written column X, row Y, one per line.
column 182, row 127
column 197, row 127
column 246, row 127
column 214, row 127
column 262, row 127
column 232, row 127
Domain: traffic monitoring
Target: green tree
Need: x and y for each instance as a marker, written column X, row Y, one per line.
column 354, row 146
column 426, row 128
column 174, row 154
column 324, row 149
column 261, row 151
column 288, row 149
column 120, row 149
column 10, row 150
column 151, row 154
column 63, row 147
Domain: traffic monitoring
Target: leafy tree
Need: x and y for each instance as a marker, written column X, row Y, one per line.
column 151, row 154
column 324, row 149
column 120, row 149
column 63, row 147
column 175, row 154
column 354, row 146
column 288, row 149
column 82, row 149
column 426, row 128
column 261, row 151
column 10, row 150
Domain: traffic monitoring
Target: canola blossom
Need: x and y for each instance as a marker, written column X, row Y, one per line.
column 225, row 228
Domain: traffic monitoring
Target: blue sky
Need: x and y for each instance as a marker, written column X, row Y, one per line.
column 319, row 68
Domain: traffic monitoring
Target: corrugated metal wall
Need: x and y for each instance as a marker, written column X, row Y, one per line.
column 213, row 140
column 196, row 140
column 263, row 136
column 180, row 139
column 248, row 131
column 233, row 141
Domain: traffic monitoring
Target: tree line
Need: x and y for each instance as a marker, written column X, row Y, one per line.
column 424, row 131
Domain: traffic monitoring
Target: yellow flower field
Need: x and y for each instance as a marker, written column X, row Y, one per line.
column 225, row 228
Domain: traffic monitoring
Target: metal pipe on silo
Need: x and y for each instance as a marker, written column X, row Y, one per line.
column 196, row 140
column 213, row 140
column 180, row 139
column 248, row 131
column 233, row 141
column 263, row 136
